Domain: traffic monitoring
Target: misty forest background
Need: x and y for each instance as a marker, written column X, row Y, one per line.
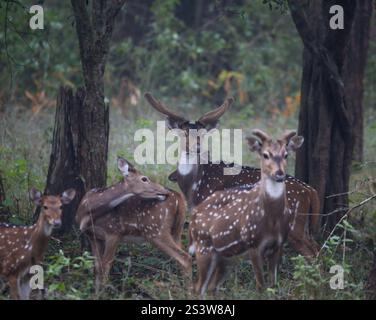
column 192, row 55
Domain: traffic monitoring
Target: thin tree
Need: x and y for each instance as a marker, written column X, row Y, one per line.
column 80, row 141
column 3, row 208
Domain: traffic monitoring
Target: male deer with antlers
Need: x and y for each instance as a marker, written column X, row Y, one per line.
column 24, row 246
column 232, row 222
column 198, row 181
column 131, row 211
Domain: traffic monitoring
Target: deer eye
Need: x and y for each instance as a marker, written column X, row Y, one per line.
column 144, row 179
column 45, row 207
column 266, row 156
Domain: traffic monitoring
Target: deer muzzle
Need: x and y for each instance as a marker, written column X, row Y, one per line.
column 279, row 176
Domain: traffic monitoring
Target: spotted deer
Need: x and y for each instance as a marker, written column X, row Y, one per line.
column 233, row 222
column 198, row 181
column 23, row 246
column 135, row 210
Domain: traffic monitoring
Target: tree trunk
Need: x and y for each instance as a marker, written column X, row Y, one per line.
column 355, row 69
column 326, row 118
column 370, row 285
column 4, row 212
column 80, row 143
column 64, row 169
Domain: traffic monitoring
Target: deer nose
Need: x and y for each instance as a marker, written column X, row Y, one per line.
column 279, row 176
column 57, row 223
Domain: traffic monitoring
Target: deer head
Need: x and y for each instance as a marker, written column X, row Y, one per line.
column 205, row 123
column 193, row 132
column 273, row 154
column 138, row 184
column 51, row 206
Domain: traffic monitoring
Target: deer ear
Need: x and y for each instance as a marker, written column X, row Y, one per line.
column 254, row 144
column 124, row 166
column 67, row 196
column 173, row 176
column 295, row 143
column 35, row 196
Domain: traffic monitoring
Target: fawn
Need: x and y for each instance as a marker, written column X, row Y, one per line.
column 24, row 246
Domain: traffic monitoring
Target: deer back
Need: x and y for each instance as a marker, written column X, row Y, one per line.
column 141, row 218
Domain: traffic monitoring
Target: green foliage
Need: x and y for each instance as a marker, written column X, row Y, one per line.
column 37, row 58
column 65, row 276
column 312, row 279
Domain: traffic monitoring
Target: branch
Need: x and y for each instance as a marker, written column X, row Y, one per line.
column 299, row 16
column 111, row 14
column 83, row 26
column 345, row 216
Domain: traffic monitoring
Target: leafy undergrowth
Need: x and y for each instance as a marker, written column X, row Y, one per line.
column 143, row 272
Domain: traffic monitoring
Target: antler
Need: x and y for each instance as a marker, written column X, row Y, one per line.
column 261, row 135
column 213, row 116
column 159, row 106
column 288, row 135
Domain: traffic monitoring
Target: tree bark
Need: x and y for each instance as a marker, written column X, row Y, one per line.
column 80, row 143
column 64, row 169
column 326, row 118
column 354, row 71
column 3, row 209
column 370, row 285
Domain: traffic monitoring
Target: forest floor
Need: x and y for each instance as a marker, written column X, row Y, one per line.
column 143, row 272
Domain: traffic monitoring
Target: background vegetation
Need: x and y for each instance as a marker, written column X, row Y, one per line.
column 250, row 51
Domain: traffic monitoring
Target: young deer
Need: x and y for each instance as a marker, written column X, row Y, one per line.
column 24, row 246
column 199, row 181
column 150, row 213
column 232, row 222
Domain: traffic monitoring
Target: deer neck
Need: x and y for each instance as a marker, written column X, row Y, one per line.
column 273, row 194
column 188, row 164
column 189, row 176
column 41, row 234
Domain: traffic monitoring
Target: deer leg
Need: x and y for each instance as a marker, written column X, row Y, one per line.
column 97, row 251
column 169, row 246
column 300, row 238
column 273, row 262
column 218, row 277
column 206, row 265
column 302, row 245
column 257, row 263
column 24, row 288
column 209, row 275
column 111, row 246
column 14, row 287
